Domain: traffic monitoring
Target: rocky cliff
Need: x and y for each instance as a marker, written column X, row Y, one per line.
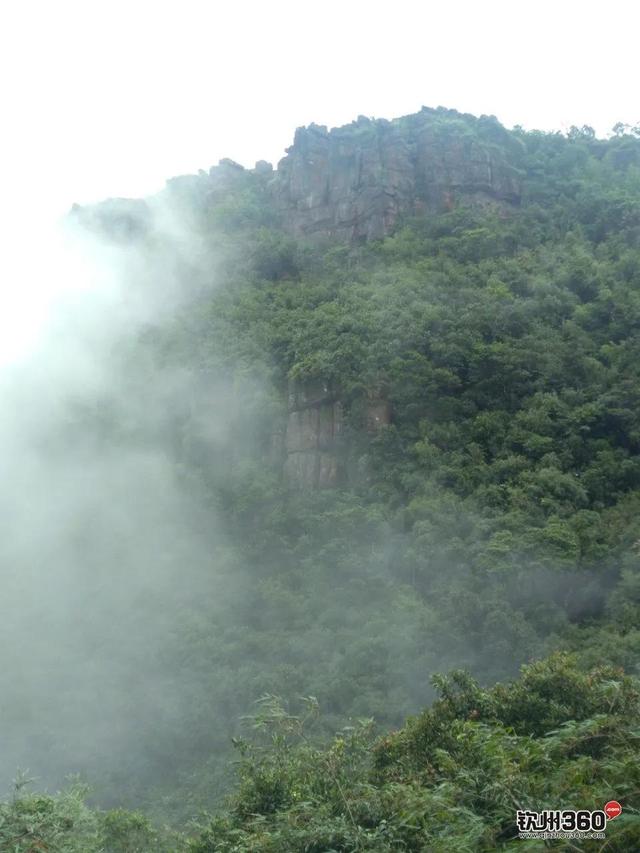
column 353, row 183
column 350, row 184
column 318, row 452
column 313, row 441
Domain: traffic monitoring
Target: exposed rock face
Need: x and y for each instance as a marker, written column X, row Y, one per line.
column 350, row 184
column 313, row 439
column 354, row 182
column 318, row 454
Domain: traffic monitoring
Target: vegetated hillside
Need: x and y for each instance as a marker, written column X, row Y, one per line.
column 451, row 779
column 421, row 453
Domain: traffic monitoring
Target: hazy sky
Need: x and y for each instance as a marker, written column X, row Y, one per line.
column 111, row 98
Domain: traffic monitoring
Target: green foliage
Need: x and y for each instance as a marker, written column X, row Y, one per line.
column 489, row 521
column 495, row 519
column 63, row 823
column 32, row 822
column 452, row 778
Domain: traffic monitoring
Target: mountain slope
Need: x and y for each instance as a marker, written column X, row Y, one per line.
column 408, row 454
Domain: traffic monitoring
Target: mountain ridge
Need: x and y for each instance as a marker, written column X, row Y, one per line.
column 356, row 182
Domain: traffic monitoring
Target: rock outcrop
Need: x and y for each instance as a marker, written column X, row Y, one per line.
column 350, row 184
column 313, row 438
column 353, row 183
column 318, row 451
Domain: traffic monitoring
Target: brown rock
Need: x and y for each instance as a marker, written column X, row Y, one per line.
column 313, row 436
column 353, row 183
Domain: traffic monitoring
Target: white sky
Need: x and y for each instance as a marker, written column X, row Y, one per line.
column 111, row 98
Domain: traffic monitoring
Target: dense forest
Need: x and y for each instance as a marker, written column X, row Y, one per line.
column 449, row 631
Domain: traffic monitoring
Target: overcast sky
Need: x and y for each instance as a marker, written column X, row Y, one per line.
column 111, row 98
